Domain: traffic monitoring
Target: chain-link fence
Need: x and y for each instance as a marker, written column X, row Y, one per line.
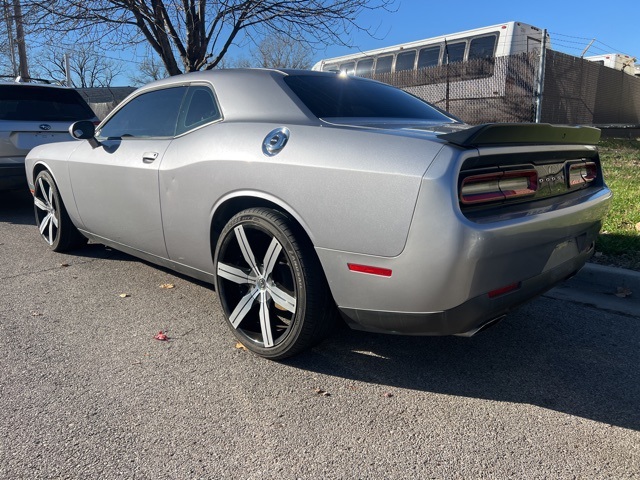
column 504, row 89
column 479, row 91
column 578, row 91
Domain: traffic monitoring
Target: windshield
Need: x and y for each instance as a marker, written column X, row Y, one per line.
column 331, row 96
column 40, row 104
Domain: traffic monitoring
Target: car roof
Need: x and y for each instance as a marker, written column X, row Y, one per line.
column 32, row 85
column 249, row 94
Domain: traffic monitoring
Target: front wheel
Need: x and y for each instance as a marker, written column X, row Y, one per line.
column 52, row 219
column 270, row 284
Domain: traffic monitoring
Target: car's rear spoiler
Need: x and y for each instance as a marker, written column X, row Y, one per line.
column 523, row 134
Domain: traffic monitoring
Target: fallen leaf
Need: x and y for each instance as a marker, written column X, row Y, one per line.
column 240, row 346
column 64, row 264
column 322, row 393
column 387, row 394
column 623, row 292
column 124, row 295
column 161, row 336
column 167, row 285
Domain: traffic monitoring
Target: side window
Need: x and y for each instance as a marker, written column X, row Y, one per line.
column 455, row 52
column 152, row 114
column 482, row 47
column 383, row 64
column 348, row 68
column 331, row 68
column 428, row 57
column 364, row 67
column 405, row 61
column 199, row 108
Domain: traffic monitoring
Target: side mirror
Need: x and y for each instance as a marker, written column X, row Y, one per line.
column 84, row 130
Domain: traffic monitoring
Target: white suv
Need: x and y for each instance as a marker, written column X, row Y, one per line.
column 33, row 114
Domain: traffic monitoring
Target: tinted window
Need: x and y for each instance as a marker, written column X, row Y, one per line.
column 383, row 64
column 454, row 52
column 428, row 57
column 405, row 61
column 364, row 67
column 152, row 114
column 482, row 47
column 199, row 109
column 18, row 102
column 335, row 96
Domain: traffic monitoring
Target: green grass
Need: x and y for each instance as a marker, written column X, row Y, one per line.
column 619, row 240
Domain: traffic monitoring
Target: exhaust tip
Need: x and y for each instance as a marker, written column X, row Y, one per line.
column 484, row 326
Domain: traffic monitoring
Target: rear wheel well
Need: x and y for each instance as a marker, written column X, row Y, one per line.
column 231, row 207
column 235, row 205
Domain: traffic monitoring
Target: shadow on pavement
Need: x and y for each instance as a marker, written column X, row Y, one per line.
column 16, row 206
column 560, row 362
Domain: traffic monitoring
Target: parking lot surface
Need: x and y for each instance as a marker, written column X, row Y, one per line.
column 87, row 392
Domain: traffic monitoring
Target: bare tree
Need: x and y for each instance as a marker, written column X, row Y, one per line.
column 191, row 35
column 88, row 68
column 282, row 51
column 149, row 70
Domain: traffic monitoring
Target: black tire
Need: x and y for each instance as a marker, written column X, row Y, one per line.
column 270, row 284
column 52, row 218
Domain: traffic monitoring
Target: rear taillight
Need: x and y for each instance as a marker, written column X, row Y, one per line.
column 498, row 186
column 582, row 173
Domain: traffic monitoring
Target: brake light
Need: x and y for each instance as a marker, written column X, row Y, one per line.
column 498, row 186
column 582, row 173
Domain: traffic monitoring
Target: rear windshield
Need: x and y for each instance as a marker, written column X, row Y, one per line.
column 342, row 96
column 42, row 104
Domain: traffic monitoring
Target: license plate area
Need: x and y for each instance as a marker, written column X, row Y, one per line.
column 563, row 252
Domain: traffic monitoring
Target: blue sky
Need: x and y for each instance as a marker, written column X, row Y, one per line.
column 572, row 24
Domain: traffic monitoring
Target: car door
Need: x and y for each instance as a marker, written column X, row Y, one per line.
column 115, row 184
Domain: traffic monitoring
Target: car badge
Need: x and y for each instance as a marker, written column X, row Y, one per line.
column 45, row 126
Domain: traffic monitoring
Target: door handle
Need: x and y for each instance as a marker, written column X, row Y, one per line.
column 148, row 157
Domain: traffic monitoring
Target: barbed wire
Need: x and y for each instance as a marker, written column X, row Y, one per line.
column 584, row 42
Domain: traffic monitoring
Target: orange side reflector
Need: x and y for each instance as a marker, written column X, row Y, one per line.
column 501, row 291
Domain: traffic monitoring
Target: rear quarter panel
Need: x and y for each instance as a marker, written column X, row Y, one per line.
column 350, row 189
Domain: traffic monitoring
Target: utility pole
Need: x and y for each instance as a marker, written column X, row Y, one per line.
column 22, row 49
column 67, row 70
column 540, row 80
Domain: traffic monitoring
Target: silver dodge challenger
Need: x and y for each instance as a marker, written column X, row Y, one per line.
column 300, row 194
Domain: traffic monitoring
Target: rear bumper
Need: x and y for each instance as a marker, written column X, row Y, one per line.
column 468, row 318
column 442, row 281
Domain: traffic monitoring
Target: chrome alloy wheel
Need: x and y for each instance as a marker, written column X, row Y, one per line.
column 258, row 291
column 47, row 211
